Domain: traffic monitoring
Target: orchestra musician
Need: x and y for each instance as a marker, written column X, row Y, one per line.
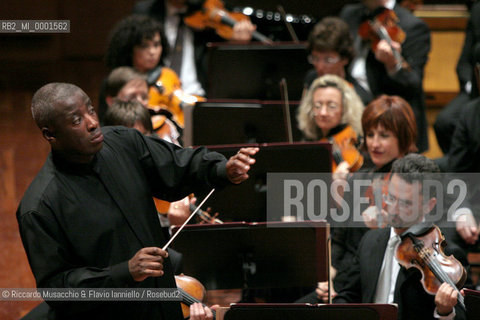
column 330, row 51
column 381, row 71
column 88, row 218
column 390, row 133
column 139, row 42
column 331, row 109
column 126, row 84
column 466, row 68
column 374, row 276
column 192, row 64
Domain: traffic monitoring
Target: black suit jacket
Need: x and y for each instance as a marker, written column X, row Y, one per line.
column 413, row 302
column 466, row 63
column 406, row 83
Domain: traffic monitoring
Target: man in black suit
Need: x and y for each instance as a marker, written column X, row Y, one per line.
column 192, row 68
column 447, row 119
column 379, row 72
column 406, row 207
column 464, row 157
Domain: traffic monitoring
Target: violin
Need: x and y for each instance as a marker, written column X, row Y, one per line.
column 422, row 247
column 213, row 15
column 166, row 95
column 202, row 215
column 205, row 217
column 383, row 26
column 191, row 291
column 166, row 129
column 344, row 149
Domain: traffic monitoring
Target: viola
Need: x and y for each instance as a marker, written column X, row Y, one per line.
column 422, row 247
column 344, row 149
column 213, row 15
column 383, row 26
column 191, row 291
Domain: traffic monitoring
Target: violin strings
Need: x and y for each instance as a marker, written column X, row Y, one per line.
column 189, row 299
column 440, row 273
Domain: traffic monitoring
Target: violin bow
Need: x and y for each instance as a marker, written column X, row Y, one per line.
column 286, row 109
column 290, row 29
column 189, row 218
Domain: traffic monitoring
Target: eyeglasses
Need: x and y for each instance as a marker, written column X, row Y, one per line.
column 331, row 107
column 402, row 204
column 328, row 60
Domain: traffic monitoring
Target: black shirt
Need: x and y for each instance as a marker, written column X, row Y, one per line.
column 80, row 224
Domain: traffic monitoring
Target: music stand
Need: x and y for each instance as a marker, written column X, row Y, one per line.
column 254, row 71
column 254, row 255
column 238, row 121
column 307, row 311
column 472, row 304
column 248, row 200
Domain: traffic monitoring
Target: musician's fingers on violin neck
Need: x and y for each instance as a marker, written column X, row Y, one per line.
column 200, row 312
column 445, row 299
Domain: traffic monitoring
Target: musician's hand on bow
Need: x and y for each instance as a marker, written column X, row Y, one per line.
column 384, row 54
column 467, row 228
column 342, row 171
column 445, row 299
column 375, row 218
column 239, row 164
column 242, row 30
column 147, row 262
column 322, row 291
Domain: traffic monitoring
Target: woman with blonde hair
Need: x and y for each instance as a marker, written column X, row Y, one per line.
column 331, row 109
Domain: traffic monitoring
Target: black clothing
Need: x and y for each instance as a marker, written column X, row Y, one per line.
column 413, row 302
column 407, row 82
column 464, row 157
column 81, row 223
column 345, row 239
column 447, row 119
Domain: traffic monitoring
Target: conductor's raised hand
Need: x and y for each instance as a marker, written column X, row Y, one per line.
column 239, row 164
column 147, row 262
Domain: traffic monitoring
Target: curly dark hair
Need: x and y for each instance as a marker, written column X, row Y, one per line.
column 130, row 32
column 331, row 34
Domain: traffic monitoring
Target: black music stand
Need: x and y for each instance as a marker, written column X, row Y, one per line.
column 248, row 200
column 307, row 312
column 238, row 121
column 254, row 71
column 472, row 304
column 255, row 255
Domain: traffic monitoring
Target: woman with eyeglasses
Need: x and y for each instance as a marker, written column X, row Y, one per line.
column 331, row 111
column 330, row 51
column 390, row 133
